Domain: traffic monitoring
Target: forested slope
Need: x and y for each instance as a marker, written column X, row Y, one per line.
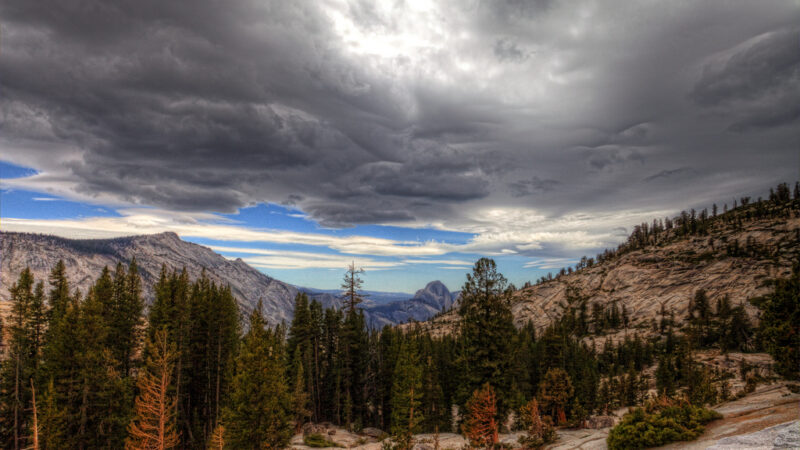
column 659, row 270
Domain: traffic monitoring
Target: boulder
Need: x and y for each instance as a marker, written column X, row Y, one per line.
column 373, row 432
column 597, row 422
column 313, row 428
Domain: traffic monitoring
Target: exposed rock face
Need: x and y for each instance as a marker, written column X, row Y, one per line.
column 598, row 422
column 786, row 435
column 668, row 274
column 85, row 259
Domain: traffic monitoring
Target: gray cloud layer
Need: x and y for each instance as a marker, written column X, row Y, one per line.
column 363, row 112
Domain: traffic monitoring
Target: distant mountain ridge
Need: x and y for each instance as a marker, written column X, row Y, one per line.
column 434, row 298
column 371, row 298
column 85, row 258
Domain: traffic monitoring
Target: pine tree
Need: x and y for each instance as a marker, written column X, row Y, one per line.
column 315, row 358
column 259, row 411
column 153, row 426
column 62, row 355
column 407, row 395
column 300, row 409
column 301, row 327
column 332, row 375
column 106, row 394
column 59, row 295
column 224, row 343
column 630, row 391
column 779, row 329
column 487, row 335
column 353, row 348
column 434, row 407
column 481, row 427
column 352, row 286
column 20, row 365
column 302, row 345
column 555, row 392
column 37, row 327
column 125, row 332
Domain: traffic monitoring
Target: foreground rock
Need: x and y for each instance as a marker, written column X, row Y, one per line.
column 786, row 435
column 768, row 406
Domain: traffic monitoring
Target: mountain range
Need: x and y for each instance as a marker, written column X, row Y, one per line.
column 85, row 258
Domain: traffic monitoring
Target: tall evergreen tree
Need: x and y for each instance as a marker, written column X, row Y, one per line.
column 352, row 287
column 106, row 393
column 779, row 329
column 259, row 411
column 300, row 399
column 555, row 393
column 20, row 365
column 486, row 350
column 125, row 334
column 407, row 395
column 59, row 295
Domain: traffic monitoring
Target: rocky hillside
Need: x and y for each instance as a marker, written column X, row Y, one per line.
column 731, row 259
column 85, row 259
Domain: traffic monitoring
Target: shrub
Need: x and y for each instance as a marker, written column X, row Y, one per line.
column 658, row 423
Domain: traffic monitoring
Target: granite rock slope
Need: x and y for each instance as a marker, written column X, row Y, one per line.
column 669, row 273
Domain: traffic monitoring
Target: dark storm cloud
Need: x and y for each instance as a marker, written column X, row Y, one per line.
column 759, row 82
column 532, row 186
column 670, row 174
column 211, row 106
column 507, row 50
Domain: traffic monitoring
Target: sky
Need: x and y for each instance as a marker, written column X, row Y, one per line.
column 411, row 137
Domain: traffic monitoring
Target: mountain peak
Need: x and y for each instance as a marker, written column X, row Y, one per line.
column 435, row 284
column 435, row 287
column 168, row 235
column 435, row 294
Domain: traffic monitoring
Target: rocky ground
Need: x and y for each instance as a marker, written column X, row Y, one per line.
column 764, row 419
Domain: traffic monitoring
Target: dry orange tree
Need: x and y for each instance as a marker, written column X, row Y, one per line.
column 35, row 425
column 217, row 441
column 153, row 426
column 481, row 426
column 539, row 432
